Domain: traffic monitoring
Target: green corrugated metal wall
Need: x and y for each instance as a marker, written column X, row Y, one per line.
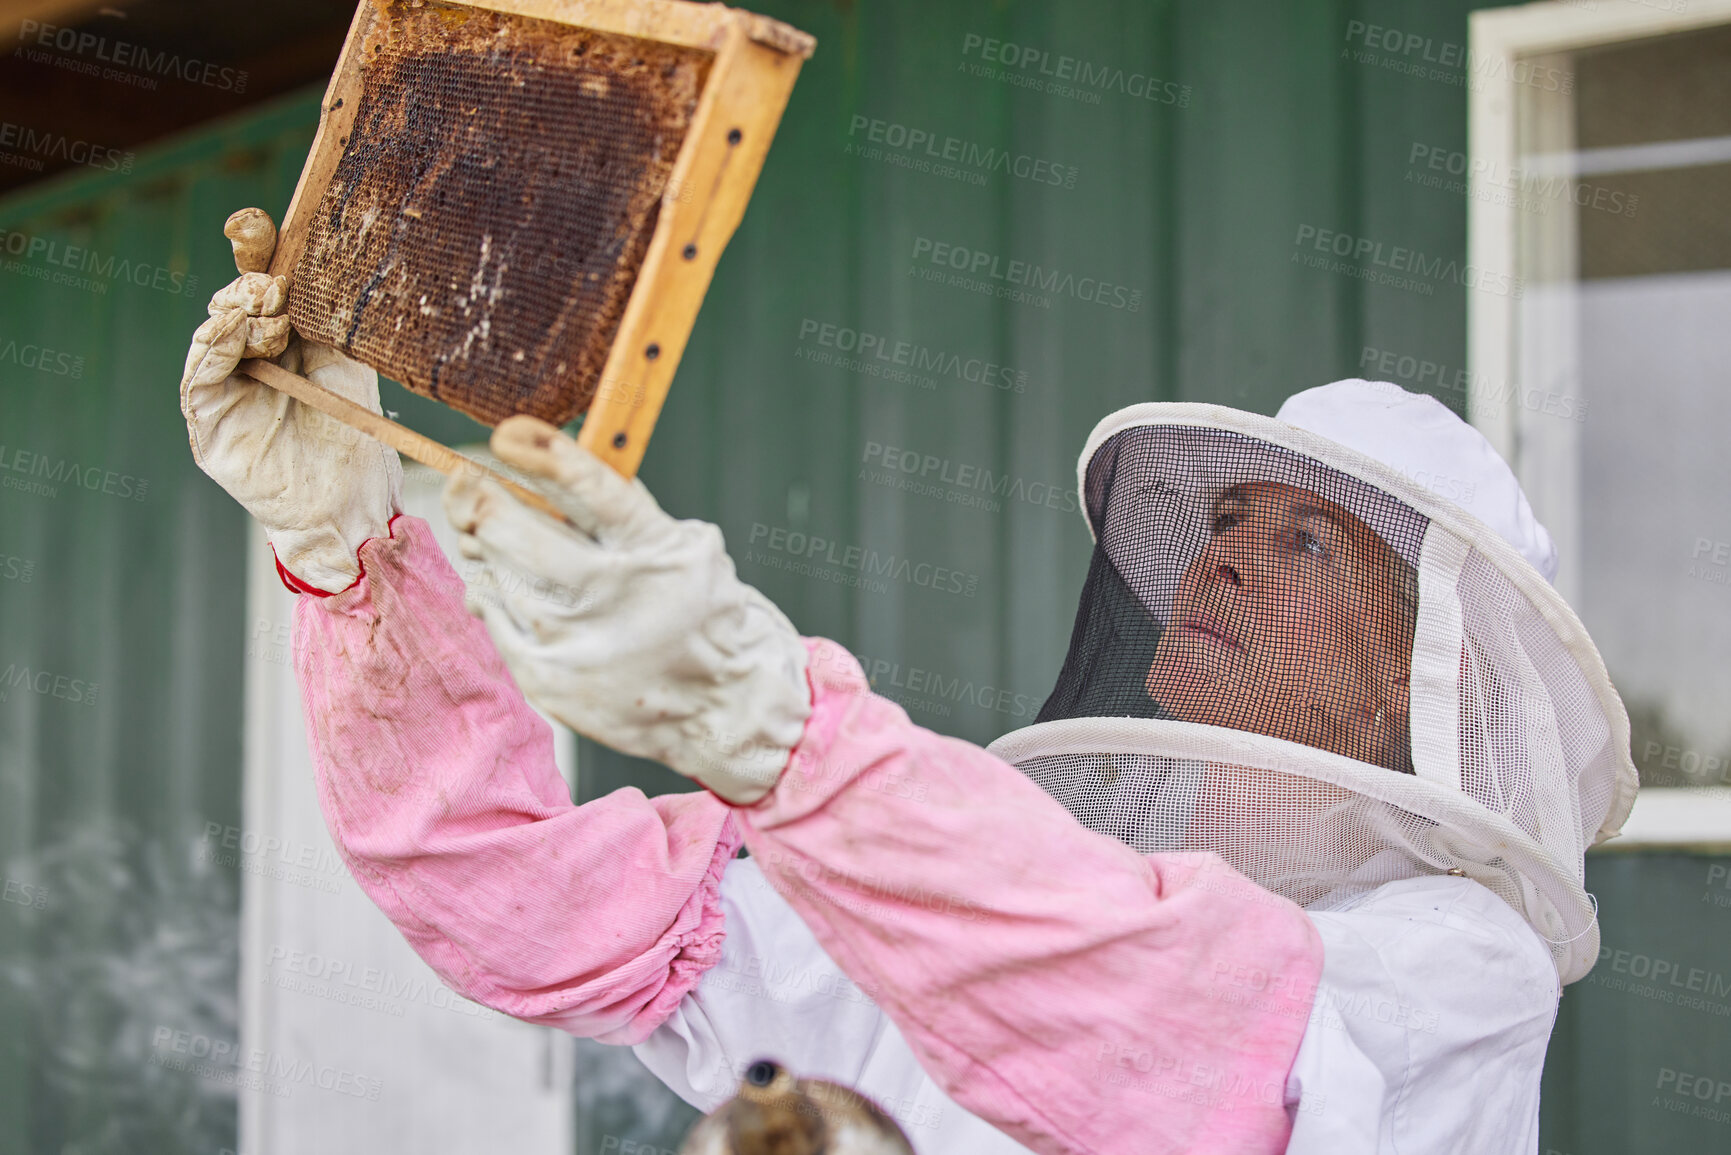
column 136, row 585
column 1194, row 207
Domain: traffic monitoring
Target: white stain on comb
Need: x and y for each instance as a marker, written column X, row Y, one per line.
column 482, row 295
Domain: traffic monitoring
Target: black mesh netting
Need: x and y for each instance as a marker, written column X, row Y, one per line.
column 1252, row 673
column 484, row 226
column 1238, row 584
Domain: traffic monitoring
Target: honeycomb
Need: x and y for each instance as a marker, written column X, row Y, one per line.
column 492, row 205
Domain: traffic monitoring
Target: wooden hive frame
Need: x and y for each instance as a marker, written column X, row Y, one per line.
column 755, row 63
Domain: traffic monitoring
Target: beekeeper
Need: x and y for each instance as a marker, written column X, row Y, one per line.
column 1290, row 861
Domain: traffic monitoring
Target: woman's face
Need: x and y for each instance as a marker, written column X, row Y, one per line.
column 1287, row 624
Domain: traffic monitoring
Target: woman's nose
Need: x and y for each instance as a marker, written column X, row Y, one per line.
column 1228, row 573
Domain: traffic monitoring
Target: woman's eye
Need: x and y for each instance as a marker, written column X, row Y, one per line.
column 1224, row 522
column 1310, row 543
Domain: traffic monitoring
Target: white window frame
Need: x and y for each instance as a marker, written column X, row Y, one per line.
column 1500, row 38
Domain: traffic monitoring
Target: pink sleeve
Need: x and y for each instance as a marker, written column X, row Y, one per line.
column 438, row 784
column 1077, row 995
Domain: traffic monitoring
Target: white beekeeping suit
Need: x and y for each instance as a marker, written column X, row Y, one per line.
column 1424, row 780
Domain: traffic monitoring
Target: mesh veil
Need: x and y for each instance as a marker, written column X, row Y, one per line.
column 1289, row 655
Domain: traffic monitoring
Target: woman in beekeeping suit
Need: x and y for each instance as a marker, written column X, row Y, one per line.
column 1291, row 859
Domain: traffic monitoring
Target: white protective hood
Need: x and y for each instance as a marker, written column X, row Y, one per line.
column 1519, row 745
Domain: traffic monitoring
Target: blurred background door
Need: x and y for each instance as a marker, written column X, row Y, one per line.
column 364, row 1048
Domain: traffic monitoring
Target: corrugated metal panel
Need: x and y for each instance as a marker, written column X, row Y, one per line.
column 120, row 749
column 1640, row 1062
column 803, row 447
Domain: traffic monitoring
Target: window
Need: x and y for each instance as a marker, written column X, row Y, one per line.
column 1601, row 177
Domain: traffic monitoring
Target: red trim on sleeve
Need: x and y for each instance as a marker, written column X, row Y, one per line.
column 295, row 585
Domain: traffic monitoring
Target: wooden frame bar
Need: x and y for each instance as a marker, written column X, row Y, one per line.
column 399, row 437
column 756, row 63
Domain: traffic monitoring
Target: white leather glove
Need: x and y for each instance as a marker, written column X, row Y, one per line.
column 318, row 487
column 632, row 628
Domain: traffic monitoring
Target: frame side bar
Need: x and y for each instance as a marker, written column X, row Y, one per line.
column 336, row 120
column 723, row 153
column 668, row 21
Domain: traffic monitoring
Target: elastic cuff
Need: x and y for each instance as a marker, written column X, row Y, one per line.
column 699, row 947
column 295, row 585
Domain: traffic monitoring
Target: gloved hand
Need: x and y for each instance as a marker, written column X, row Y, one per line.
column 319, row 488
column 632, row 627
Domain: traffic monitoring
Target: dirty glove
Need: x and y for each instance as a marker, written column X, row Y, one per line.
column 627, row 625
column 319, row 488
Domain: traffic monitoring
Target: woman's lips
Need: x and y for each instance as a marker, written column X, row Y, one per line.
column 1212, row 629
